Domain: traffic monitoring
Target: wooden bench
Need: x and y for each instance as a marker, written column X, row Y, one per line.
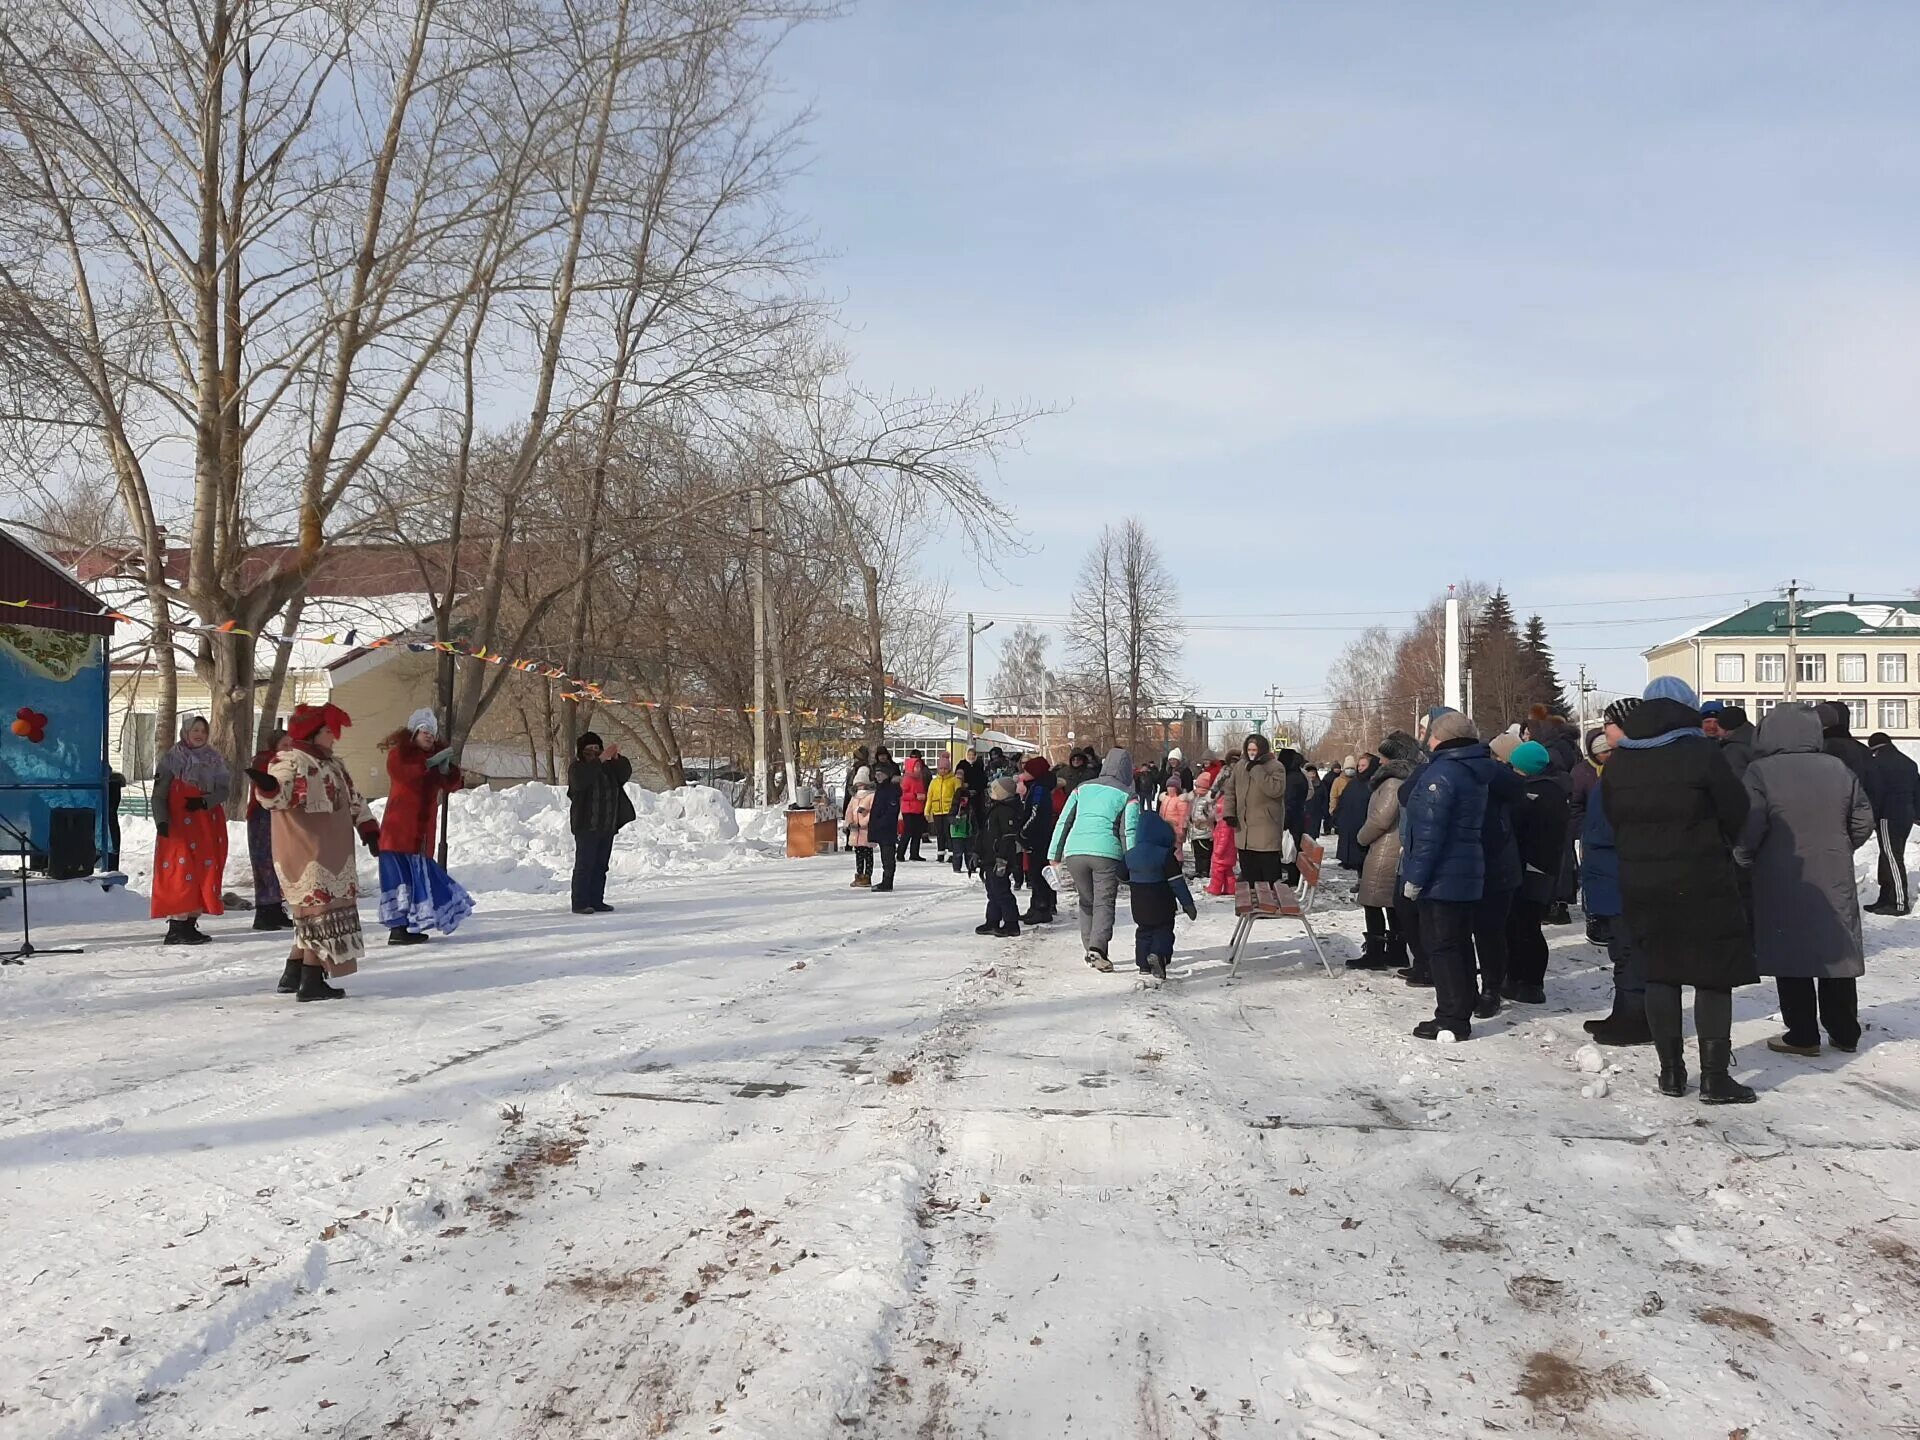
column 1292, row 907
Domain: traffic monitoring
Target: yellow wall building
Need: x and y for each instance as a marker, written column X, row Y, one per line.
column 1863, row 653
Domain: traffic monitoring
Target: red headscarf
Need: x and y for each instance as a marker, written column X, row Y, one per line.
column 310, row 720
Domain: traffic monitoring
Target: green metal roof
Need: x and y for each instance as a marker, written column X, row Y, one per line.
column 1852, row 617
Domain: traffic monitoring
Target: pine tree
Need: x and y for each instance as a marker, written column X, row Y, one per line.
column 1544, row 678
column 1502, row 674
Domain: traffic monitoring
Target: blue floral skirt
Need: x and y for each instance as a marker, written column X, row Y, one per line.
column 416, row 894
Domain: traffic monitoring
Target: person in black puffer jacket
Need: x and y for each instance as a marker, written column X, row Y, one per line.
column 1677, row 811
column 1540, row 834
column 998, row 846
column 883, row 822
column 1895, row 793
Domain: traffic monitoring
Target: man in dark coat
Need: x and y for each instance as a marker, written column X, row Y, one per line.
column 1037, row 835
column 1809, row 814
column 1728, row 724
column 1293, row 762
column 1505, row 791
column 597, row 808
column 883, row 823
column 1443, row 866
column 1836, row 732
column 1895, row 795
column 1677, row 810
column 1353, row 813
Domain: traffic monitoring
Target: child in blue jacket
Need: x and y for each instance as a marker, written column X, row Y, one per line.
column 1156, row 887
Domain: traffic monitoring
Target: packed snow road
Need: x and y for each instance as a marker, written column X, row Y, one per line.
column 761, row 1156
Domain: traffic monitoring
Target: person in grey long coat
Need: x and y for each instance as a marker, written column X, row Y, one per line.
column 1808, row 816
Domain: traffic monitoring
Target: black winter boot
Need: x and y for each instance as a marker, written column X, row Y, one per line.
column 290, row 977
column 1716, row 1086
column 400, row 935
column 1627, row 1027
column 269, row 917
column 314, row 986
column 1673, row 1065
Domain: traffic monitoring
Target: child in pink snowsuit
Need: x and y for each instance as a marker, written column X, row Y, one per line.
column 1226, row 860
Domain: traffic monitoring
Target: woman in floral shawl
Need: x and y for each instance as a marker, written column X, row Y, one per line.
column 190, row 834
column 316, row 812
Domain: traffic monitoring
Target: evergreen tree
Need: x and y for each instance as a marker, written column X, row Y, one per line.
column 1544, row 678
column 1503, row 681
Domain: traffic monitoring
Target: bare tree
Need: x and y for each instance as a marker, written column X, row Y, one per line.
column 1022, row 680
column 1358, row 684
column 242, row 234
column 1125, row 629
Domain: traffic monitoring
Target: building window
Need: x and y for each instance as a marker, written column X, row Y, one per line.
column 1762, row 708
column 1810, row 667
column 1893, row 668
column 1729, row 669
column 1853, row 669
column 1770, row 669
column 1857, row 715
column 1893, row 714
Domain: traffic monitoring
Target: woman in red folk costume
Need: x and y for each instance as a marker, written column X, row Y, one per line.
column 316, row 814
column 190, row 834
column 416, row 895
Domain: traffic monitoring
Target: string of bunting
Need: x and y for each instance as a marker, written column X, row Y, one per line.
column 582, row 690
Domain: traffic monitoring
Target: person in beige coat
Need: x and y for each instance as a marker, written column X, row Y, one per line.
column 1380, row 871
column 1254, row 806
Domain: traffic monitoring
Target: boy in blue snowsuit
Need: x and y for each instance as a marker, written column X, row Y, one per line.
column 1156, row 889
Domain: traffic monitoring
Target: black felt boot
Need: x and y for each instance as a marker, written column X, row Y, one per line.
column 1717, row 1087
column 290, row 977
column 1673, row 1065
column 314, row 986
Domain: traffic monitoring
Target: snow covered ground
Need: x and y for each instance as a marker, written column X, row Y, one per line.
column 761, row 1156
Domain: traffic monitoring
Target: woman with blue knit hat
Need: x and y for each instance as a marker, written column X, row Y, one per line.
column 1540, row 831
column 1677, row 810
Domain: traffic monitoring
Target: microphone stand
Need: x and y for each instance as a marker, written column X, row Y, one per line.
column 26, row 948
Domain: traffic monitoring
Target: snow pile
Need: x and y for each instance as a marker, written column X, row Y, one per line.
column 519, row 840
column 64, row 902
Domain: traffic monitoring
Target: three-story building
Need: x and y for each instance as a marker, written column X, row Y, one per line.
column 1863, row 653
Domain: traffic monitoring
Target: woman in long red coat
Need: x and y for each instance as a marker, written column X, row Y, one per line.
column 416, row 895
column 190, row 834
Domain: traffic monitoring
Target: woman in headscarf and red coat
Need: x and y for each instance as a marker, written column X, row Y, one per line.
column 190, row 834
column 416, row 894
column 316, row 814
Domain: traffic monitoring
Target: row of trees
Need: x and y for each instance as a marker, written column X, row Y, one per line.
column 1123, row 636
column 506, row 278
column 1384, row 681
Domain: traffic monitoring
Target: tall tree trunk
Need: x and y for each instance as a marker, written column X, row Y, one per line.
column 757, row 588
column 876, row 659
column 277, row 680
column 228, row 671
column 789, row 752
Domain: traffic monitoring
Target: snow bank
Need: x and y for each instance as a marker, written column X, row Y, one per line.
column 517, row 839
column 65, row 902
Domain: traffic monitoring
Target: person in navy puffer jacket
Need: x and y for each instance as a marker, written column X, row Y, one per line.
column 1443, row 866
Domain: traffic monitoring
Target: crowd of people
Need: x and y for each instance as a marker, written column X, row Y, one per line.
column 1705, row 852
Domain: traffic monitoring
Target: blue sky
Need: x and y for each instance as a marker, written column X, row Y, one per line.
column 1604, row 303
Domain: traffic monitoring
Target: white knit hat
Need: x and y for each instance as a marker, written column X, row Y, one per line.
column 422, row 719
